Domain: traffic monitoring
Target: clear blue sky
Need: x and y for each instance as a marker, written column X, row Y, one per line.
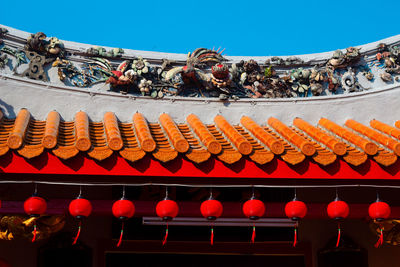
column 242, row 27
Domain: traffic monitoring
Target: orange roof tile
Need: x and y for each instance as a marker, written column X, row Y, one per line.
column 198, row 141
column 306, row 147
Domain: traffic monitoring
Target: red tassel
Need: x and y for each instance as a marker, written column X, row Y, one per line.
column 77, row 234
column 338, row 237
column 253, row 236
column 166, row 236
column 380, row 240
column 295, row 237
column 212, row 236
column 34, row 232
column 120, row 236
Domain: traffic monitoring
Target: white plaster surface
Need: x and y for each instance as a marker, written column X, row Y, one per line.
column 40, row 98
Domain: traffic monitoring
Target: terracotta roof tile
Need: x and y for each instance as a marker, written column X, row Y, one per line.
column 82, row 141
column 291, row 155
column 322, row 155
column 374, row 135
column 369, row 147
column 387, row 129
column 113, row 134
column 260, row 154
column 32, row 145
column 99, row 149
column 131, row 149
column 267, row 139
column 175, row 136
column 164, row 150
column 329, row 141
column 17, row 134
column 146, row 141
column 305, row 146
column 242, row 145
column 228, row 153
column 51, row 130
column 198, row 141
column 213, row 146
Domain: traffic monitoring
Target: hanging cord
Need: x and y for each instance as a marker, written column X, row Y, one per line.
column 166, row 236
column 212, row 235
column 380, row 240
column 338, row 236
column 122, row 233
column 295, row 235
column 34, row 232
column 80, row 191
column 78, row 233
column 253, row 235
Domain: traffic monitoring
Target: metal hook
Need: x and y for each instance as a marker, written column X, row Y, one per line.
column 166, row 192
column 80, row 191
column 252, row 192
column 123, row 191
column 295, row 193
column 337, row 194
column 35, row 189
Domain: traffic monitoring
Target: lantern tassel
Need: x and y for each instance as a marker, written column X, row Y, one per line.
column 295, row 237
column 338, row 236
column 380, row 240
column 166, row 236
column 212, row 236
column 78, row 233
column 34, row 232
column 120, row 236
column 253, row 236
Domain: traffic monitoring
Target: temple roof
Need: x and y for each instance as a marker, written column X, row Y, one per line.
column 227, row 141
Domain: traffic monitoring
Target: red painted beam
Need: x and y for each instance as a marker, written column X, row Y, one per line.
column 192, row 209
column 47, row 163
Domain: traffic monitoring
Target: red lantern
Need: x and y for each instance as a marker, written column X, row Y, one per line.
column 167, row 209
column 123, row 209
column 379, row 210
column 253, row 209
column 211, row 209
column 338, row 209
column 296, row 209
column 80, row 208
column 35, row 206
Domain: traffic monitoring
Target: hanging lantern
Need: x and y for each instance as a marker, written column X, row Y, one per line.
column 379, row 211
column 123, row 209
column 35, row 207
column 211, row 209
column 338, row 210
column 167, row 209
column 79, row 208
column 253, row 209
column 295, row 210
